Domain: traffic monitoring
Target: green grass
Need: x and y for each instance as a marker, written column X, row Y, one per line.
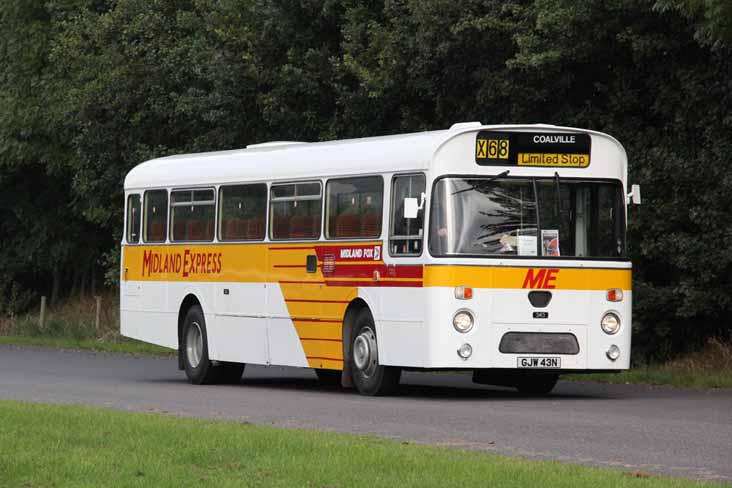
column 657, row 375
column 72, row 326
column 44, row 445
column 711, row 367
column 121, row 345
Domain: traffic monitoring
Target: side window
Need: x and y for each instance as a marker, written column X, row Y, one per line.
column 405, row 235
column 242, row 212
column 133, row 219
column 354, row 207
column 192, row 215
column 295, row 211
column 156, row 205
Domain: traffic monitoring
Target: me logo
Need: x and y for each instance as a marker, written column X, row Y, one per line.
column 540, row 278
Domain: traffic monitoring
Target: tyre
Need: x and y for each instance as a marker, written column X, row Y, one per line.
column 198, row 367
column 369, row 377
column 329, row 377
column 537, row 385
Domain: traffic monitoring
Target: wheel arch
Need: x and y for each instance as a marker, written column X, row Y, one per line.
column 188, row 301
column 349, row 319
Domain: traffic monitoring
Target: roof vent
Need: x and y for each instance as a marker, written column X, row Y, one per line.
column 263, row 145
column 465, row 125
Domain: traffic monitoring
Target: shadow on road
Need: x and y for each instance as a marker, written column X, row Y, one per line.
column 432, row 391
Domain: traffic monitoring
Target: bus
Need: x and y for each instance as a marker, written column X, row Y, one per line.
column 494, row 249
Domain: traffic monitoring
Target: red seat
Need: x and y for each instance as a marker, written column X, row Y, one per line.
column 157, row 231
column 347, row 226
column 255, row 229
column 371, row 225
column 194, row 230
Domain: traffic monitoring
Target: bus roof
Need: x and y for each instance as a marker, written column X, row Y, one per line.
column 293, row 161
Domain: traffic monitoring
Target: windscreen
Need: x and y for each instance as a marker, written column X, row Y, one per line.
column 527, row 217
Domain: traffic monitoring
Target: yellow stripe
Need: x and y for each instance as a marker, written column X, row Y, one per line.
column 323, row 349
column 325, row 364
column 512, row 278
column 318, row 330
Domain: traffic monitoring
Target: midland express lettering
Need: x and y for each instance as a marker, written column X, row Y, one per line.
column 543, row 278
column 184, row 264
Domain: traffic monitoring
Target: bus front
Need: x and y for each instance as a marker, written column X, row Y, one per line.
column 527, row 255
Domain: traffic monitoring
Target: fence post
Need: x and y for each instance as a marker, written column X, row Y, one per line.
column 99, row 311
column 42, row 318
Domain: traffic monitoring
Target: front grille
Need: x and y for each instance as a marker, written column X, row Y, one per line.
column 538, row 343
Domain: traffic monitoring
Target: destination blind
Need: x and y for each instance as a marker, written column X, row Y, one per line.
column 567, row 150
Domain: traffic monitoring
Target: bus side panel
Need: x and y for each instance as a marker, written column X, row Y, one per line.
column 239, row 331
column 144, row 314
column 285, row 346
column 400, row 325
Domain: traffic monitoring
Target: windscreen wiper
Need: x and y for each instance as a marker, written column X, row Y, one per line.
column 494, row 177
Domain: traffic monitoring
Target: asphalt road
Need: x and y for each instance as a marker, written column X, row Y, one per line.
column 656, row 430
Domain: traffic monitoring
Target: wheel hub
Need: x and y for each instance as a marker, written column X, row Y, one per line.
column 194, row 344
column 365, row 355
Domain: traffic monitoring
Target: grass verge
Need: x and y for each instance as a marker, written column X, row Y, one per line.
column 710, row 367
column 44, row 445
column 73, row 326
column 122, row 345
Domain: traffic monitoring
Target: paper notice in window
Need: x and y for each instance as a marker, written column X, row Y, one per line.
column 527, row 245
column 550, row 242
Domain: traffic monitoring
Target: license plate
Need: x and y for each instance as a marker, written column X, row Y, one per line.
column 538, row 363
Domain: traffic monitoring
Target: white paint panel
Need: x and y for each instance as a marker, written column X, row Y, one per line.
column 400, row 328
column 565, row 307
column 154, row 327
column 241, row 339
column 285, row 348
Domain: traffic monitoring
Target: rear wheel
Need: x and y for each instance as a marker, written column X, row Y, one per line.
column 537, row 385
column 198, row 367
column 369, row 377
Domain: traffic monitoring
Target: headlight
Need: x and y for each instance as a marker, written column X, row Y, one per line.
column 610, row 323
column 462, row 321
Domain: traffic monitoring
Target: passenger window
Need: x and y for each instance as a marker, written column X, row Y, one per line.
column 192, row 215
column 354, row 207
column 133, row 219
column 242, row 212
column 406, row 234
column 156, row 205
column 295, row 211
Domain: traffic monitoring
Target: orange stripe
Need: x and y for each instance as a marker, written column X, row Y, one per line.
column 296, row 319
column 302, row 282
column 319, row 339
column 326, row 359
column 315, row 301
column 289, row 248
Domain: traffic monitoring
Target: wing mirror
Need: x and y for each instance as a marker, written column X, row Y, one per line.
column 634, row 196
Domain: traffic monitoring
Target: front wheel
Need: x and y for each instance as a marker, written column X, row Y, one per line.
column 369, row 377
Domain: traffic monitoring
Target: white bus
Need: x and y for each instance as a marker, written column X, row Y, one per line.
column 495, row 249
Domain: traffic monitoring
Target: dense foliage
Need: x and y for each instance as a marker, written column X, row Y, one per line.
column 89, row 88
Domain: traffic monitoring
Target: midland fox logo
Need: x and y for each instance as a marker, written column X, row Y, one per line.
column 185, row 264
column 540, row 278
